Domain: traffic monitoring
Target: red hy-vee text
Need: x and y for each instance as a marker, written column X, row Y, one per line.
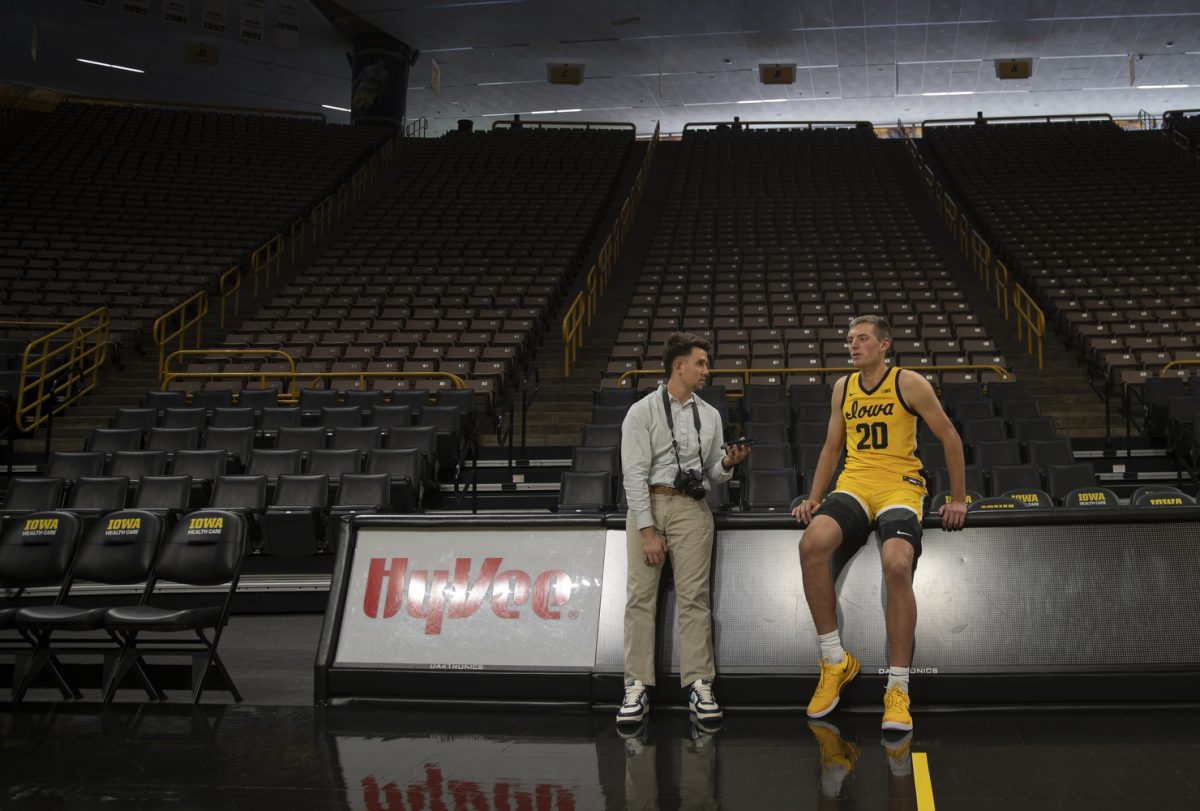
column 424, row 597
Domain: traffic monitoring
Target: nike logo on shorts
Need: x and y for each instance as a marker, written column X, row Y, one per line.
column 905, row 534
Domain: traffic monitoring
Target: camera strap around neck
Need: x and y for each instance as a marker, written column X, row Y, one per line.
column 671, row 427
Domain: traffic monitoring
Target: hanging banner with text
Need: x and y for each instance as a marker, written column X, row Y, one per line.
column 175, row 11
column 251, row 28
column 214, row 16
column 287, row 24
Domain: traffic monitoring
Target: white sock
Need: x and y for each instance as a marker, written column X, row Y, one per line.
column 831, row 647
column 898, row 675
column 832, row 777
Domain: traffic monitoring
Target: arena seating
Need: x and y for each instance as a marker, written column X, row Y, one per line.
column 1099, row 224
column 456, row 268
column 770, row 241
column 139, row 208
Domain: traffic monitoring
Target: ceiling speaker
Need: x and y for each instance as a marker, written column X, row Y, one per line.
column 562, row 73
column 1014, row 68
column 777, row 74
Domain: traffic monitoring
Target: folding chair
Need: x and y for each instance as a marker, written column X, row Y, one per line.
column 119, row 550
column 205, row 549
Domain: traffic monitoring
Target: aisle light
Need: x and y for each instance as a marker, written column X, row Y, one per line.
column 339, row 109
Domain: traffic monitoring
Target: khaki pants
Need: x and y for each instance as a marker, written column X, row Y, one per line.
column 687, row 526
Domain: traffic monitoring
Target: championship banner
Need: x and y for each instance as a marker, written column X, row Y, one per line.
column 460, row 599
column 138, row 8
column 175, row 11
column 251, row 26
column 287, row 24
column 214, row 16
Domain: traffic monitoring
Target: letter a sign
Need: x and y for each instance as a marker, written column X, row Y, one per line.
column 1014, row 68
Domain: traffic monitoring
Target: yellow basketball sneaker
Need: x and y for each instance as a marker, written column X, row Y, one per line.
column 829, row 688
column 895, row 710
column 835, row 750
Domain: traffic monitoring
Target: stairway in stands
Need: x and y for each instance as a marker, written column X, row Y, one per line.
column 126, row 387
column 1060, row 386
column 564, row 403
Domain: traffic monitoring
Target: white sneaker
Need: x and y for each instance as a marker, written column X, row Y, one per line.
column 636, row 704
column 702, row 702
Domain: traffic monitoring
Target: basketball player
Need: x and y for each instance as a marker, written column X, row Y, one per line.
column 875, row 412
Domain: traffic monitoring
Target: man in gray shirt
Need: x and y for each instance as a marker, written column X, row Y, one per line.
column 671, row 452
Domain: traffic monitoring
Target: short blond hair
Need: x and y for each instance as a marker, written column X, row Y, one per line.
column 883, row 330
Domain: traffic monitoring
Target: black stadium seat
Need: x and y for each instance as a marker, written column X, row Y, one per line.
column 769, row 490
column 1091, row 497
column 590, row 491
column 1061, row 480
column 206, row 549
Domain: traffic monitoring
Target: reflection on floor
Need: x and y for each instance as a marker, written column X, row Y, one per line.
column 385, row 758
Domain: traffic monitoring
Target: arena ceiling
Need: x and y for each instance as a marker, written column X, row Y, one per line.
column 649, row 61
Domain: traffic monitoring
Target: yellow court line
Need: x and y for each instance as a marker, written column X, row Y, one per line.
column 920, row 764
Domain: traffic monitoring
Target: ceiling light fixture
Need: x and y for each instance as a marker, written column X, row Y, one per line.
column 762, row 101
column 1161, row 86
column 951, row 93
column 339, row 109
column 107, row 65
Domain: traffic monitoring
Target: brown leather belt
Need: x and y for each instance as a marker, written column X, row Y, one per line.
column 665, row 490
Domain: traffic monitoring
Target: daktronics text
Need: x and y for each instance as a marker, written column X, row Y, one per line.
column 425, row 595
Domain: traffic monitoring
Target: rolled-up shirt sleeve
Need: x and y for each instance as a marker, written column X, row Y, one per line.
column 635, row 463
column 716, row 471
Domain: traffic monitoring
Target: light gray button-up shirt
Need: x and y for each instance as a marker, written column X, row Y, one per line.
column 646, row 454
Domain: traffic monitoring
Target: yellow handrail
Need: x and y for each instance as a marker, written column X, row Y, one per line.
column 291, row 392
column 1172, row 364
column 746, row 373
column 223, row 285
column 268, row 257
column 981, row 258
column 1031, row 321
column 321, row 217
column 296, row 233
column 55, row 376
column 224, row 353
column 179, row 322
column 572, row 329
column 1001, row 271
column 583, row 307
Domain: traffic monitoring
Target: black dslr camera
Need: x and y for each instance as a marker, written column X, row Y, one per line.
column 691, row 482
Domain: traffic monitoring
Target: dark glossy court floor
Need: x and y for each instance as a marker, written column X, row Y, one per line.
column 384, row 758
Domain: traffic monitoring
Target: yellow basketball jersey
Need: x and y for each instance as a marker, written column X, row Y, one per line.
column 881, row 432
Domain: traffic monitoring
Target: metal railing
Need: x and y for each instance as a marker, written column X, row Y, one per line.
column 808, row 125
column 290, row 391
column 182, row 354
column 183, row 322
column 1001, row 276
column 579, row 314
column 1031, row 321
column 266, row 259
column 296, row 236
column 59, row 367
column 510, row 123
column 417, row 129
column 1013, row 119
column 1177, row 363
column 184, row 105
column 230, row 289
column 816, row 370
column 981, row 258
